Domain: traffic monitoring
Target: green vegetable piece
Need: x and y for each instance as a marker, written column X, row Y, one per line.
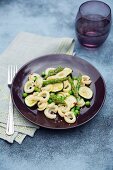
column 62, row 97
column 78, row 108
column 76, row 112
column 71, row 92
column 54, row 72
column 78, row 98
column 73, row 88
column 74, row 78
column 36, row 89
column 43, row 74
column 87, row 103
column 73, row 109
column 78, row 82
column 50, row 101
column 35, row 78
column 53, row 81
column 57, row 99
column 24, row 95
column 79, row 78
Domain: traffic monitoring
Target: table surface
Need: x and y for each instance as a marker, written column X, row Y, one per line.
column 89, row 147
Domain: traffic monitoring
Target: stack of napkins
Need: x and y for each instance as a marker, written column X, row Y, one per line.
column 24, row 48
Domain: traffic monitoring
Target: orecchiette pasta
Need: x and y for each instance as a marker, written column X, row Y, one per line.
column 69, row 117
column 37, row 79
column 53, row 107
column 51, row 110
column 64, row 94
column 81, row 103
column 67, row 86
column 86, row 80
column 42, row 105
column 49, row 114
column 71, row 101
column 62, row 110
column 39, row 82
column 29, row 87
column 44, row 96
column 32, row 77
column 35, row 94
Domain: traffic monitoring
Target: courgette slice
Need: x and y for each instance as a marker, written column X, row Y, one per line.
column 85, row 92
column 57, row 87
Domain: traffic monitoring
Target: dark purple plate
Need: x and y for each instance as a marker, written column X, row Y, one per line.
column 40, row 64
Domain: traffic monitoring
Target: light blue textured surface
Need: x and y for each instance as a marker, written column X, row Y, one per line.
column 89, row 147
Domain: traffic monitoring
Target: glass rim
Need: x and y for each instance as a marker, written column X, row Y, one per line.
column 97, row 2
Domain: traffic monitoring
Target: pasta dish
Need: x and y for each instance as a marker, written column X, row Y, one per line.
column 58, row 92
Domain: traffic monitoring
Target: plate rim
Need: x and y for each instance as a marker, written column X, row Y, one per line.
column 59, row 128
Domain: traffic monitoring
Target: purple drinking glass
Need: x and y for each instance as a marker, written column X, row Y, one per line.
column 93, row 23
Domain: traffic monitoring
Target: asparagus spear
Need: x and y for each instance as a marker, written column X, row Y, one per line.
column 78, row 82
column 54, row 72
column 73, row 88
column 53, row 81
column 57, row 99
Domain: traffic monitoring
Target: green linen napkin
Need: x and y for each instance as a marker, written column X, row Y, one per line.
column 25, row 47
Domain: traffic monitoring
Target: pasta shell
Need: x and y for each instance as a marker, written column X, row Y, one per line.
column 53, row 107
column 86, row 80
column 69, row 117
column 29, row 87
column 70, row 101
column 81, row 103
column 42, row 105
column 62, row 110
column 37, row 79
column 49, row 114
column 51, row 110
column 67, row 86
column 39, row 82
column 31, row 77
column 63, row 94
column 44, row 96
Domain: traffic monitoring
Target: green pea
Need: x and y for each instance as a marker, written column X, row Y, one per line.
column 77, row 108
column 71, row 92
column 76, row 112
column 59, row 97
column 73, row 109
column 24, row 95
column 36, row 89
column 50, row 101
column 43, row 74
column 63, row 98
column 87, row 103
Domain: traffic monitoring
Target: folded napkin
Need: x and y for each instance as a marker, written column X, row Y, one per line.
column 25, row 47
